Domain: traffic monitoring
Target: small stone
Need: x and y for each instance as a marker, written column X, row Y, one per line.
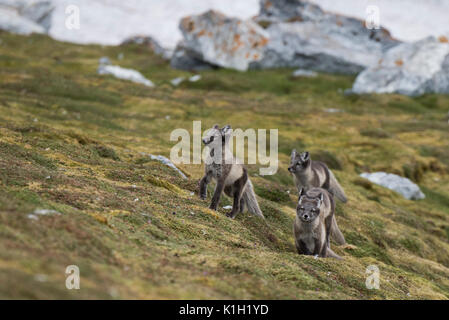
column 32, row 217
column 46, row 212
column 195, row 78
column 332, row 110
column 177, row 81
column 104, row 61
column 304, row 73
column 401, row 185
column 41, row 278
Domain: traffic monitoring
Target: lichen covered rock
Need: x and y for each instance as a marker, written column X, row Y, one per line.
column 221, row 41
column 410, row 68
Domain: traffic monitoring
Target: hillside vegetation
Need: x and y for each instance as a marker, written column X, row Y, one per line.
column 78, row 143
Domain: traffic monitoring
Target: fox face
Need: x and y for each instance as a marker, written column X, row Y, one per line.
column 299, row 162
column 216, row 136
column 308, row 208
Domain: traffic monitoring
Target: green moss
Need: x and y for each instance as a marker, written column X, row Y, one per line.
column 163, row 184
column 410, row 244
column 106, row 152
column 375, row 133
column 328, row 158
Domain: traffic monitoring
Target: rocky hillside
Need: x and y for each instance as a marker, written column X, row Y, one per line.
column 77, row 185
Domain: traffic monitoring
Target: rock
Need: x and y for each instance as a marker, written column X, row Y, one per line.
column 104, row 61
column 333, row 110
column 25, row 17
column 177, row 81
column 168, row 162
column 302, row 35
column 410, row 68
column 184, row 59
column 11, row 21
column 46, row 212
column 304, row 73
column 195, row 78
column 151, row 44
column 40, row 12
column 124, row 74
column 396, row 183
column 288, row 11
column 221, row 41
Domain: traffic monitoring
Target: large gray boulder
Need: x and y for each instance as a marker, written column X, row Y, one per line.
column 410, row 68
column 150, row 43
column 25, row 16
column 217, row 40
column 302, row 35
column 186, row 59
column 401, row 185
column 289, row 11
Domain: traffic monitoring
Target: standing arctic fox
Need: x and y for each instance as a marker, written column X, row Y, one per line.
column 313, row 223
column 309, row 174
column 230, row 175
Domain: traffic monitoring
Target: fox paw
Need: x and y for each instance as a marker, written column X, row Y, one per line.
column 231, row 215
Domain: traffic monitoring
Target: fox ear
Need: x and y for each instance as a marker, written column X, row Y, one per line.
column 320, row 201
column 294, row 154
column 302, row 193
column 305, row 156
column 226, row 130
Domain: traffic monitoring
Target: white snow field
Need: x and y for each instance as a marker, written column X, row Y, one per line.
column 109, row 22
column 407, row 20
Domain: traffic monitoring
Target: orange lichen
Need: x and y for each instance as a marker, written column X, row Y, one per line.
column 263, row 42
column 443, row 39
column 399, row 62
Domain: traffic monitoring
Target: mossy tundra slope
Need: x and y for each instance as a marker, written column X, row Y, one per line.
column 77, row 143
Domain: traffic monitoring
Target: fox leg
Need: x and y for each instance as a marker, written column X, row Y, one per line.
column 303, row 249
column 238, row 188
column 203, row 184
column 217, row 194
